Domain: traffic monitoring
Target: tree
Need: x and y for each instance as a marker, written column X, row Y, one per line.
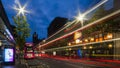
column 22, row 30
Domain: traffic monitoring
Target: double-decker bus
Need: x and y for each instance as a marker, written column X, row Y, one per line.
column 29, row 51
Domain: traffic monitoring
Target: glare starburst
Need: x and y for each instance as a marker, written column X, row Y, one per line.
column 20, row 9
column 80, row 18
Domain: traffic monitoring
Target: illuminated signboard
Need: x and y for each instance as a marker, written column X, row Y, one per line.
column 9, row 56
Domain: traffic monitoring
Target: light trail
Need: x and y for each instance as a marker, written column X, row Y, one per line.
column 87, row 12
column 117, row 39
column 105, row 55
column 96, row 6
column 66, row 25
column 110, row 15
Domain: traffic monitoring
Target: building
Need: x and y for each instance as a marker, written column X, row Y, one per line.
column 6, row 35
column 98, row 39
column 56, row 24
column 5, row 27
column 35, row 38
column 116, row 4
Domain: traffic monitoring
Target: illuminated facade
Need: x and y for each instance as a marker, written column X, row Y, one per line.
column 98, row 38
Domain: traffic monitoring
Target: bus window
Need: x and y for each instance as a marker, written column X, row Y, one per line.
column 29, row 50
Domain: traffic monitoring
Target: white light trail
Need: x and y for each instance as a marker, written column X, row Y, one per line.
column 83, row 15
column 104, row 18
column 117, row 39
column 96, row 6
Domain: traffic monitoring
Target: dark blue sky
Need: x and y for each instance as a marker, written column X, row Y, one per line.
column 42, row 12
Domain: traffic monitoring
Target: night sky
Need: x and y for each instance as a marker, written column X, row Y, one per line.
column 42, row 12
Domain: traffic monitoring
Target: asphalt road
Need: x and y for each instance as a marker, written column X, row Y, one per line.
column 52, row 63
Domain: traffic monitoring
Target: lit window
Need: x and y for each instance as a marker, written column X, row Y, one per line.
column 109, row 36
column 81, row 41
column 90, row 47
column 91, row 39
column 110, row 45
column 100, row 39
column 77, row 41
column 69, row 44
column 86, row 40
column 84, row 47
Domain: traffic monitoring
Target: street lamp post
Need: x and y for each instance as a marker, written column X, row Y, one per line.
column 80, row 18
column 20, row 17
column 21, row 9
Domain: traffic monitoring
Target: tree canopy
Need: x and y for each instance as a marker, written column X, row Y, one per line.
column 22, row 30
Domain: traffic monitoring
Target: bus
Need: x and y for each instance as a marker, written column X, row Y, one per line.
column 29, row 51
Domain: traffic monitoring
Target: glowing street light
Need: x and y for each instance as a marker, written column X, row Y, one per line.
column 80, row 18
column 21, row 9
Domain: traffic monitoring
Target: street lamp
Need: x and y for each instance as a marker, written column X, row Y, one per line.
column 21, row 9
column 80, row 18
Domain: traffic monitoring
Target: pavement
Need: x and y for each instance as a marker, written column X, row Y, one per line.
column 35, row 63
column 18, row 64
column 22, row 63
